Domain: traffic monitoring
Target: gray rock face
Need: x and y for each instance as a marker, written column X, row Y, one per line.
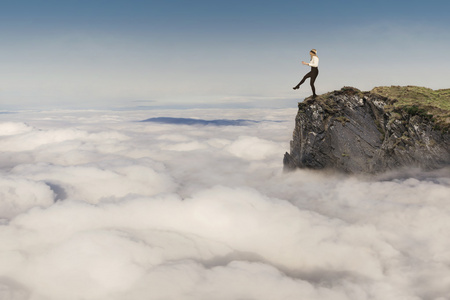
column 351, row 131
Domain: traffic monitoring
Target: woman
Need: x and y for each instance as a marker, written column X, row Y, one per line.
column 314, row 64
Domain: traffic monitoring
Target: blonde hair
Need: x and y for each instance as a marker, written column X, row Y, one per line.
column 314, row 51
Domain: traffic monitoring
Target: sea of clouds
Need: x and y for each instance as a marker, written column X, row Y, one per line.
column 97, row 205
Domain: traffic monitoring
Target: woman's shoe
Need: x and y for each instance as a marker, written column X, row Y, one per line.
column 296, row 87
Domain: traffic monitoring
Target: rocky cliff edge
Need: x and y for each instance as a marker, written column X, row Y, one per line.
column 370, row 132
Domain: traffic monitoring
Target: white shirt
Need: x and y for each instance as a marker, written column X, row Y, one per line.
column 314, row 62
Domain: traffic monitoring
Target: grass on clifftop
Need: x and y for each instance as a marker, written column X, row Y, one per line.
column 419, row 100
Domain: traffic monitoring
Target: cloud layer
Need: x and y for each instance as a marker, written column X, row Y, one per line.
column 96, row 205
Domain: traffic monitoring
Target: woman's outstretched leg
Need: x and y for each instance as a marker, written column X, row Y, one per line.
column 301, row 82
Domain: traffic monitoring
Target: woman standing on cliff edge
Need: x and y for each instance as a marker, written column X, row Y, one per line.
column 314, row 64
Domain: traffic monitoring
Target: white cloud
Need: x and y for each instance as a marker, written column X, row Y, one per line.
column 109, row 208
column 13, row 128
column 254, row 148
column 18, row 195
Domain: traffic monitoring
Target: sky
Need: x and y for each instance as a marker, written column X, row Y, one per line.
column 125, row 54
column 95, row 205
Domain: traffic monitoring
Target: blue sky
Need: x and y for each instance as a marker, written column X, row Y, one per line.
column 136, row 53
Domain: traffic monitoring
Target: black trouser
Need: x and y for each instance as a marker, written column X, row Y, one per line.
column 313, row 74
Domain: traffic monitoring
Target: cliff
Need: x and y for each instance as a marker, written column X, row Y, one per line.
column 370, row 132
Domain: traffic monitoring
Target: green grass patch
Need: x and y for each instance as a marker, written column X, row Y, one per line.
column 421, row 101
column 342, row 120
